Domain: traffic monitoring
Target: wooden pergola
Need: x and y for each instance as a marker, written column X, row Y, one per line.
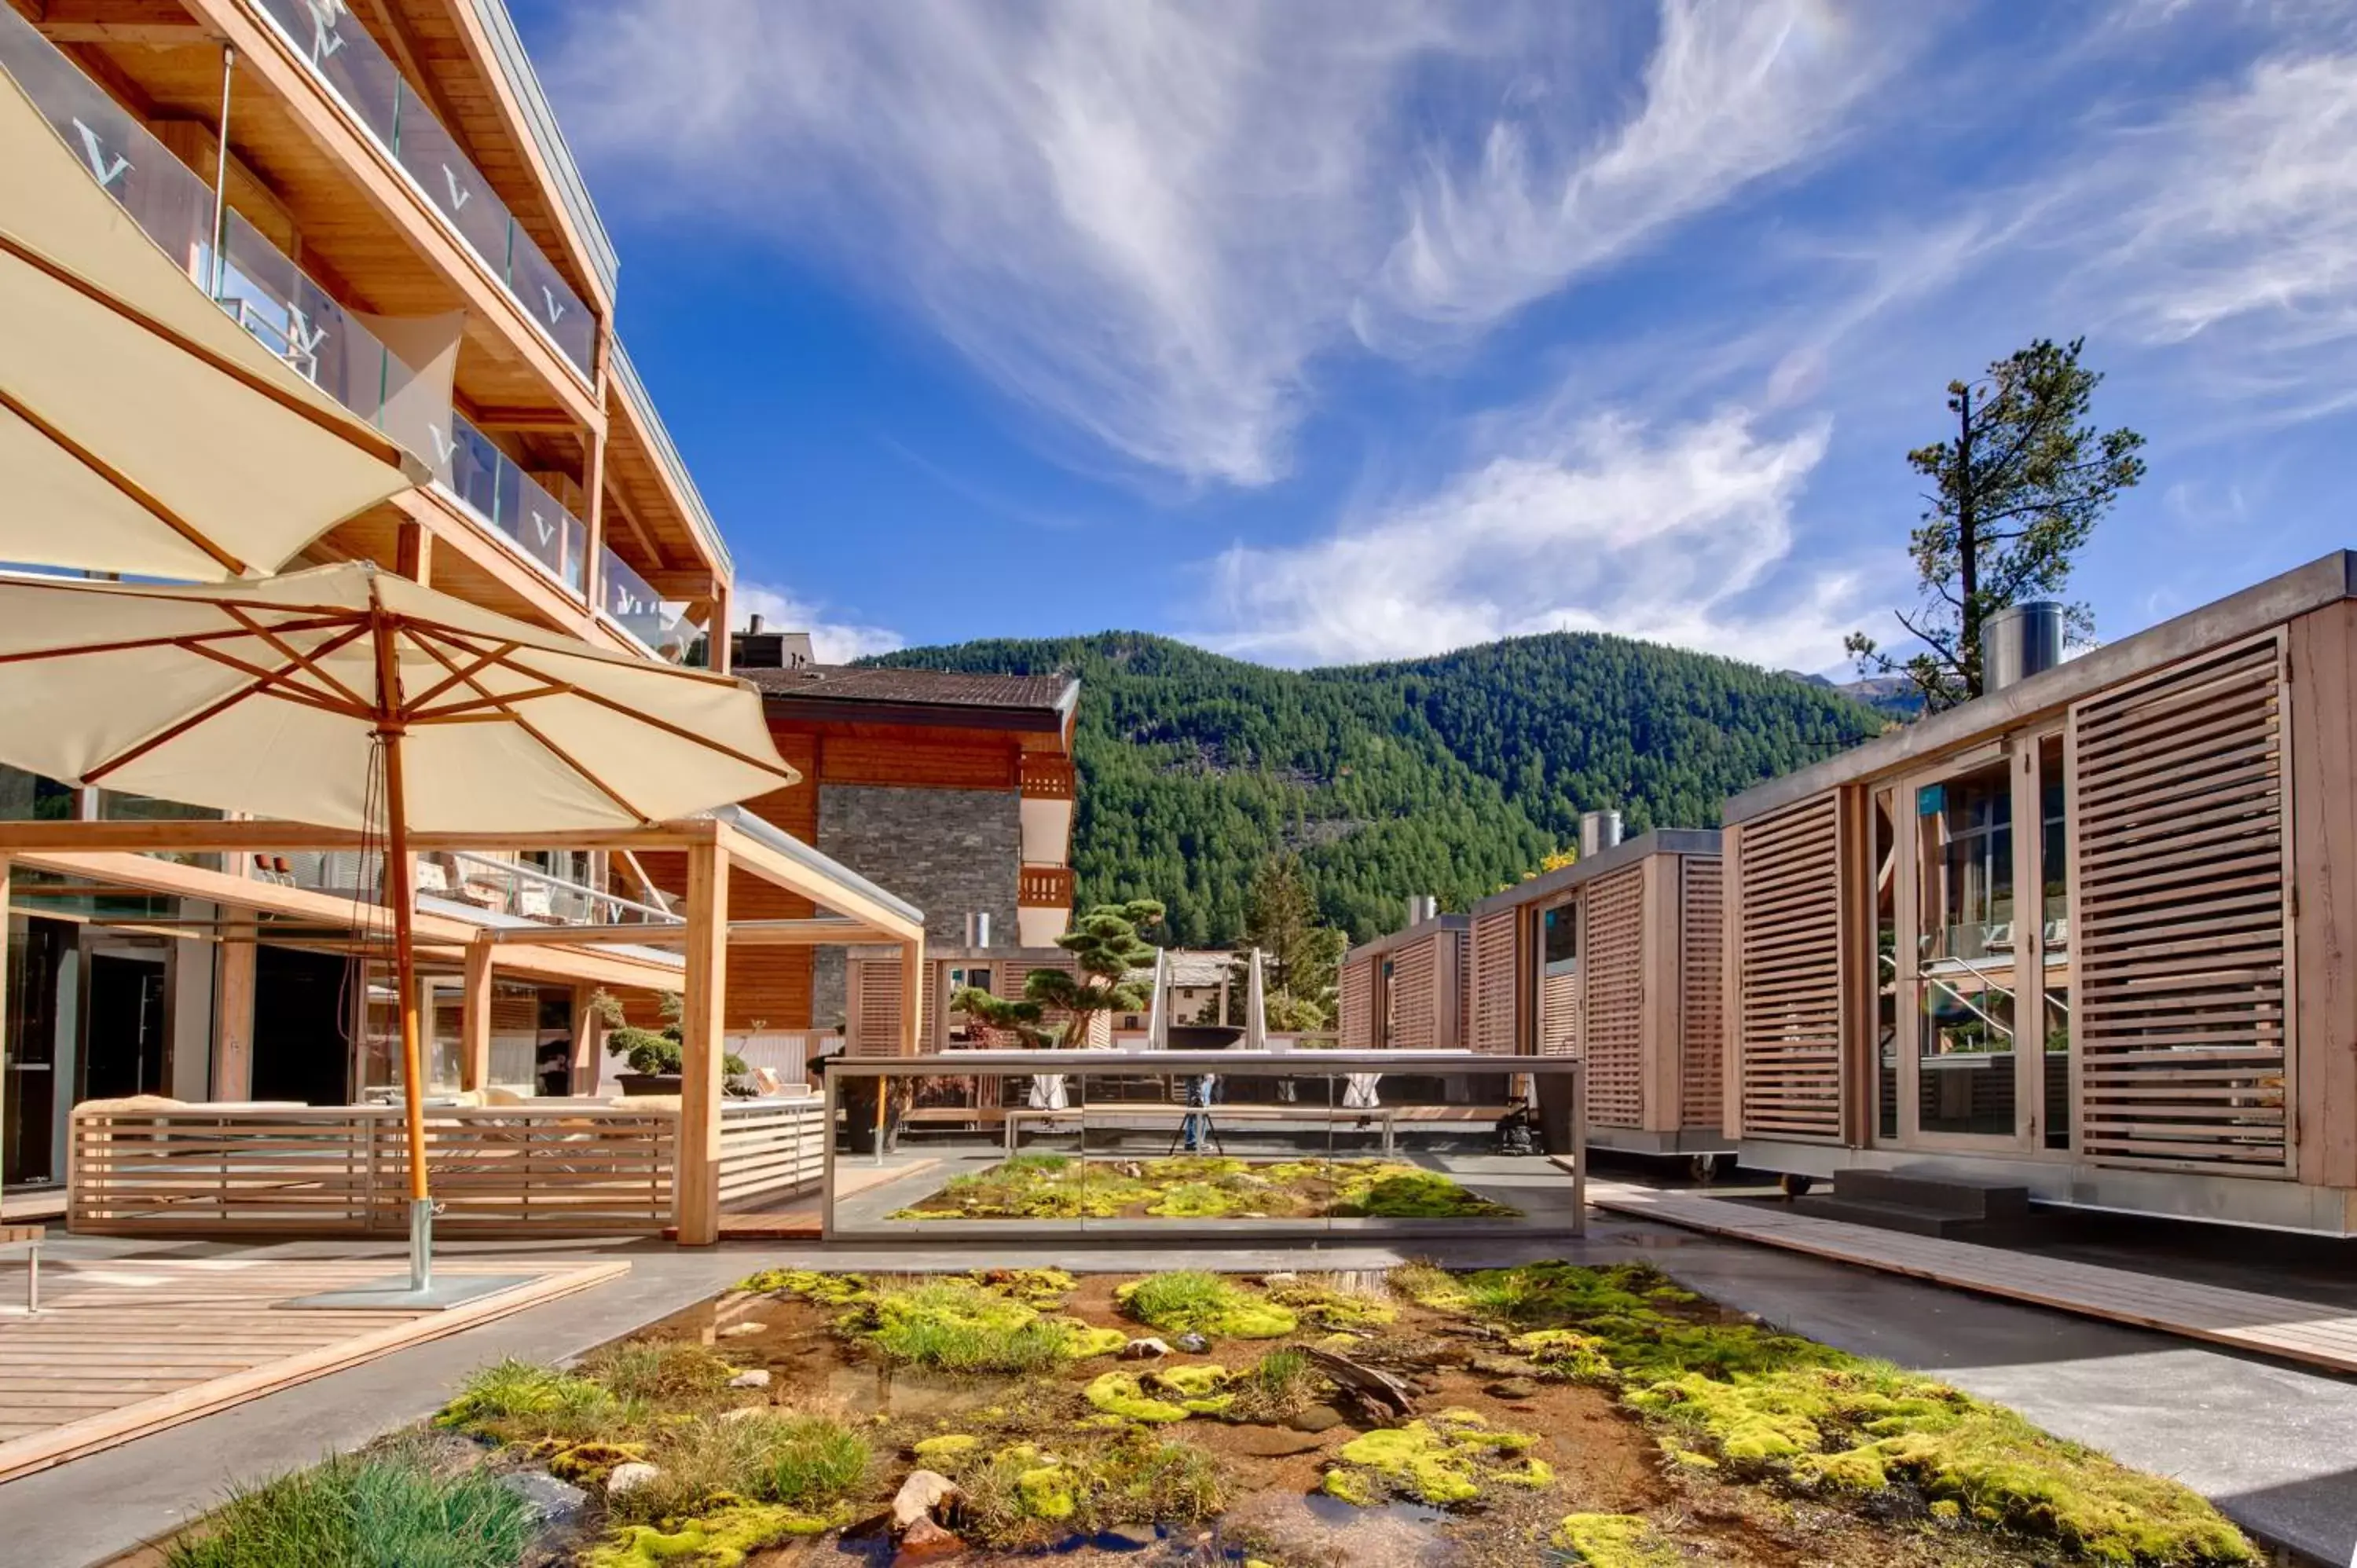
column 715, row 847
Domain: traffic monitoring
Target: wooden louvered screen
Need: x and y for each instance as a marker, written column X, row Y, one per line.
column 1787, row 938
column 1559, row 1013
column 1358, row 1004
column 1414, row 996
column 1497, row 968
column 1612, row 998
column 2180, row 941
column 872, row 996
column 1701, row 1015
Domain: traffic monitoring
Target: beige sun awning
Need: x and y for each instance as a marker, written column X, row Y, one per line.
column 264, row 697
column 141, row 430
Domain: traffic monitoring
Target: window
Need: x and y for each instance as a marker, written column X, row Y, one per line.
column 1562, row 939
column 1966, row 829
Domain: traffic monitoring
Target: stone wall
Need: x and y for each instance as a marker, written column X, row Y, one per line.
column 950, row 853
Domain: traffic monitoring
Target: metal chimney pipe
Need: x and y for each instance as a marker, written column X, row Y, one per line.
column 754, row 626
column 977, row 931
column 2019, row 642
column 1599, row 831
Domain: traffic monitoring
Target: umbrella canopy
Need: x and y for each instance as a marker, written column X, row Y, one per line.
column 1157, row 1014
column 282, row 697
column 142, row 431
column 266, row 697
column 1255, row 1006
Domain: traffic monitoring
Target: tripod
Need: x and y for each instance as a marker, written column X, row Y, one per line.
column 1196, row 1129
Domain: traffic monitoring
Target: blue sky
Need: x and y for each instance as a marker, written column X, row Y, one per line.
column 1325, row 332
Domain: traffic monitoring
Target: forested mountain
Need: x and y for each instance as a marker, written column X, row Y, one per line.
column 1451, row 776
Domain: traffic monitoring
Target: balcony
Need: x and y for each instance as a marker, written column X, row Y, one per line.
column 474, row 887
column 351, row 64
column 1044, row 887
column 287, row 311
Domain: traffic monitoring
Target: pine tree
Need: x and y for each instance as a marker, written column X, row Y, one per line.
column 1303, row 971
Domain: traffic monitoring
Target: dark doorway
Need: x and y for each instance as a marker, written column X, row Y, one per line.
column 125, row 1049
column 301, row 1046
column 40, row 964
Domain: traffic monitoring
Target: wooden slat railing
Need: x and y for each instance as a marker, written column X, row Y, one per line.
column 1044, row 887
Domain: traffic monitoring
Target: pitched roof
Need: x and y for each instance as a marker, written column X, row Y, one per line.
column 894, row 686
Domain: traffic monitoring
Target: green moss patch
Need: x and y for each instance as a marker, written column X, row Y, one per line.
column 1615, row 1541
column 1193, row 1302
column 515, row 1402
column 1162, row 1397
column 1330, row 1304
column 722, row 1539
column 1199, row 1186
column 1024, row 1495
column 1813, row 1418
column 811, row 1284
column 1447, row 1460
column 960, row 1326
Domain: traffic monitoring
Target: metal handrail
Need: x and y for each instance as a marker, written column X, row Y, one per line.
column 647, row 913
column 1970, row 1006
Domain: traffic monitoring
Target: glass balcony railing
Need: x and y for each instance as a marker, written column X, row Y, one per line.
column 287, row 311
column 629, row 602
column 252, row 279
column 340, row 52
column 495, row 489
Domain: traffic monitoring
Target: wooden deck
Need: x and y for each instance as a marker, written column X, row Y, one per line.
column 123, row 1347
column 2245, row 1320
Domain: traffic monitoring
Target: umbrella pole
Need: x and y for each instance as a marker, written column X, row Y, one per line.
column 404, row 968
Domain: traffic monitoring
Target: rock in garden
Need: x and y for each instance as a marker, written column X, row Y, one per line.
column 919, row 1494
column 630, row 1477
column 743, row 1412
column 1282, row 1277
column 1499, row 1366
column 552, row 1502
column 1514, row 1388
column 1316, row 1418
column 1147, row 1349
column 757, row 1378
column 1127, row 1537
column 1192, row 1344
column 738, row 1330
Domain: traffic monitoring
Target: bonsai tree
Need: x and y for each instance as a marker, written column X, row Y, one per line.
column 1105, row 942
column 658, row 1052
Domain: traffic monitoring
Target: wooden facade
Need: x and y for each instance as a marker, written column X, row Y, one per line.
column 2091, row 934
column 1408, row 991
column 1615, row 958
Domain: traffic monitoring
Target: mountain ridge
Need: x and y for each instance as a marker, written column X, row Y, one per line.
column 1452, row 774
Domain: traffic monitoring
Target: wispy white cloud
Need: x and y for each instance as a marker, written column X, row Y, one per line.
column 1682, row 536
column 1153, row 220
column 832, row 641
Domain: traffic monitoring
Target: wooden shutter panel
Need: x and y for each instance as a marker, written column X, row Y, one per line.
column 1787, row 941
column 2179, row 917
column 1702, row 1015
column 872, row 988
column 1358, row 1004
column 1612, row 997
column 1414, row 993
column 1497, row 968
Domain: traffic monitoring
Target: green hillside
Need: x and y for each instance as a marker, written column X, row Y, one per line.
column 1451, row 776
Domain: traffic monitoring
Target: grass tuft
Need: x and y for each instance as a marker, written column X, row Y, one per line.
column 516, row 1401
column 1193, row 1302
column 386, row 1511
column 805, row 1463
column 672, row 1370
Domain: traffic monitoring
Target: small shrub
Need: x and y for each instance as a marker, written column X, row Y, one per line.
column 386, row 1511
column 668, row 1370
column 805, row 1463
column 517, row 1401
column 1282, row 1386
column 1193, row 1302
column 1022, row 1495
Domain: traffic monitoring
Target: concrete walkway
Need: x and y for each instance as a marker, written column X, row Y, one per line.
column 2274, row 1447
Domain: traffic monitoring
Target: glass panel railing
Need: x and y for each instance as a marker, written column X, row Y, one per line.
column 351, row 64
column 500, row 493
column 526, row 892
column 270, row 296
column 628, row 601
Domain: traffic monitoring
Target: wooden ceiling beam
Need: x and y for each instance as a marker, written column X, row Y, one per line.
column 145, row 22
column 527, row 421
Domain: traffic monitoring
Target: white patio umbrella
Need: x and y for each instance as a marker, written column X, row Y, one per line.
column 141, row 430
column 349, row 698
column 1255, row 1005
column 1157, row 1014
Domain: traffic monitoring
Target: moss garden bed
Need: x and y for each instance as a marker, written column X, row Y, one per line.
column 1541, row 1414
column 1202, row 1186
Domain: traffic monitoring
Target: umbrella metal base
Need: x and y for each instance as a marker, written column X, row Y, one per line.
column 395, row 1292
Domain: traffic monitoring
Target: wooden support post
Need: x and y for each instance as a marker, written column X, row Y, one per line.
column 7, row 1046
column 232, row 1075
column 588, row 1042
column 695, row 1190
column 592, row 485
column 412, row 552
column 912, row 998
column 475, row 1031
column 723, row 648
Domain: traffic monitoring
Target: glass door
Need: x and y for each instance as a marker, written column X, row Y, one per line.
column 1961, row 1068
